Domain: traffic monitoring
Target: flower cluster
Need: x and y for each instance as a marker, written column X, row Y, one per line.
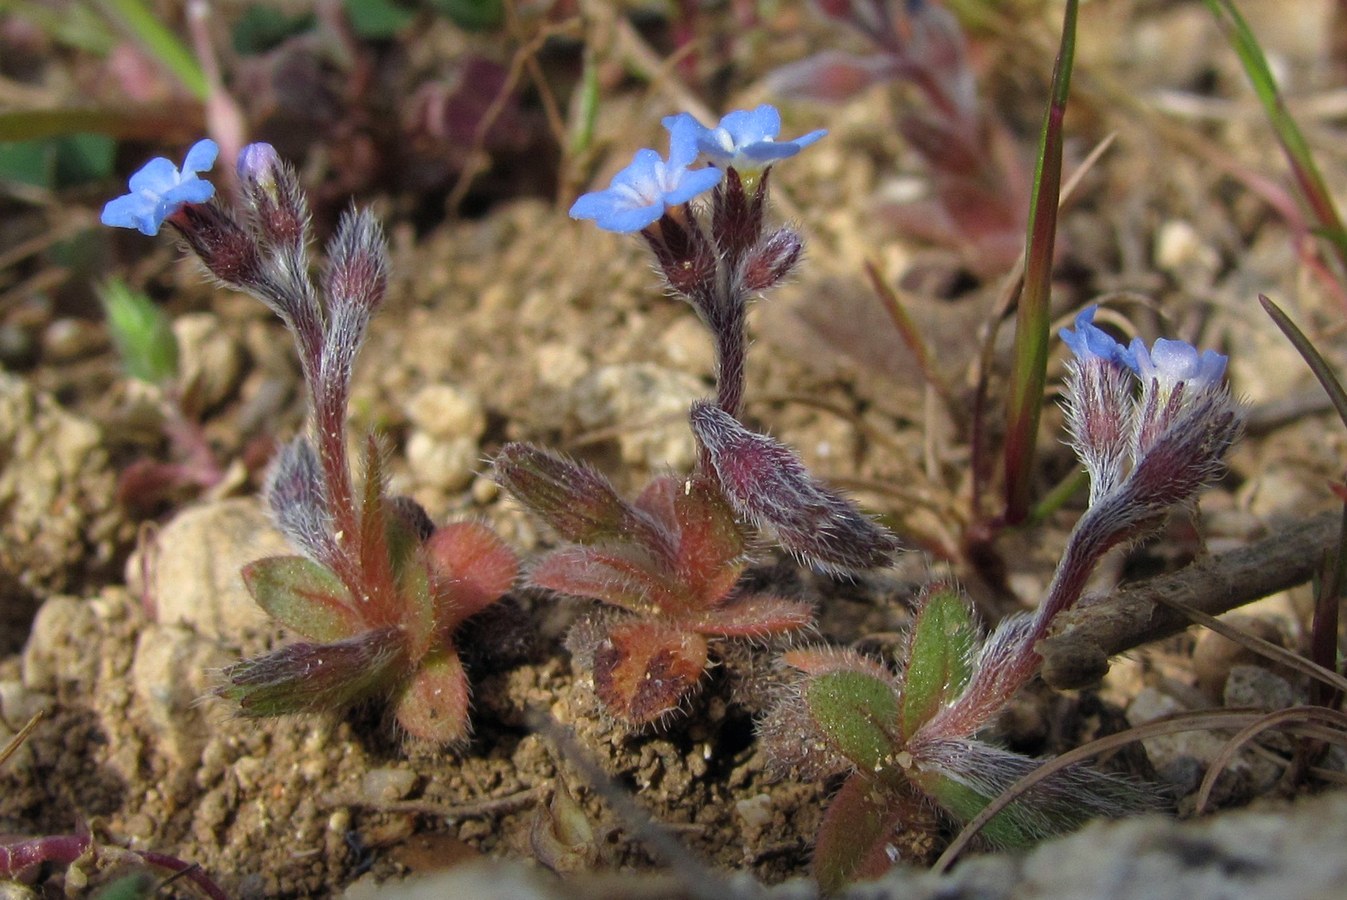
column 640, row 194
column 1169, row 439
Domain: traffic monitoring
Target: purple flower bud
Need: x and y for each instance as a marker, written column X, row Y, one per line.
column 273, row 197
column 772, row 260
column 159, row 190
column 768, row 484
column 258, row 165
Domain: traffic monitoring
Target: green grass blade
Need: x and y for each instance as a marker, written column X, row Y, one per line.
column 1324, row 627
column 152, row 34
column 1031, row 322
column 1308, row 178
column 1318, row 365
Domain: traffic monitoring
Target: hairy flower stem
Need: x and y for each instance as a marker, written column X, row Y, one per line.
column 731, row 351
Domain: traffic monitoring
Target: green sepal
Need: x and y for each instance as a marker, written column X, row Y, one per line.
column 304, row 596
column 940, row 657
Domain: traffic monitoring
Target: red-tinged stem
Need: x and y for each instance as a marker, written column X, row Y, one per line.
column 330, row 422
column 1031, row 322
column 1324, row 630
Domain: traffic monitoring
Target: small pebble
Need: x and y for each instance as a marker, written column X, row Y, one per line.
column 447, row 413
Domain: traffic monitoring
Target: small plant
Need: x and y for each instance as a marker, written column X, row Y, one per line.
column 979, row 185
column 673, row 559
column 378, row 590
column 912, row 735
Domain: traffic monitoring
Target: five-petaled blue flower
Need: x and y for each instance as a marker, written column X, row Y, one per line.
column 158, row 190
column 1089, row 341
column 1171, row 363
column 744, row 139
column 641, row 192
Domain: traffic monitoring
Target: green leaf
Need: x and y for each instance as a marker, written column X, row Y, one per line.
column 137, row 18
column 472, row 15
column 940, row 659
column 141, row 332
column 377, row 19
column 304, row 596
column 1008, row 828
column 853, row 839
column 859, row 714
column 56, row 162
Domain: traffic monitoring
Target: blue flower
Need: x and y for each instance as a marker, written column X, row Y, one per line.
column 639, row 194
column 1170, row 363
column 744, row 139
column 1089, row 341
column 158, row 190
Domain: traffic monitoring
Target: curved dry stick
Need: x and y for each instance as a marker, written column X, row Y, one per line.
column 1180, row 722
column 1273, row 719
column 1077, row 652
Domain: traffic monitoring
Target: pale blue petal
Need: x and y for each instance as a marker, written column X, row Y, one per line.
column 686, row 135
column 128, row 211
column 201, row 157
column 156, row 176
column 693, row 182
column 751, row 126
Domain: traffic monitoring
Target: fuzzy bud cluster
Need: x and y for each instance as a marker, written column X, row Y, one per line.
column 1151, row 450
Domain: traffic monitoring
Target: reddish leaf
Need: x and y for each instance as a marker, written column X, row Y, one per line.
column 822, row 660
column 619, row 575
column 642, row 670
column 710, row 552
column 434, row 706
column 574, row 499
column 754, row 616
column 304, row 596
column 472, row 569
column 855, row 840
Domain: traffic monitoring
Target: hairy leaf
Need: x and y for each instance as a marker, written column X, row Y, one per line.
column 858, row 714
column 854, row 841
column 434, row 706
column 307, row 677
column 304, row 596
column 643, row 670
column 574, row 499
column 472, row 567
column 940, row 655
column 767, row 483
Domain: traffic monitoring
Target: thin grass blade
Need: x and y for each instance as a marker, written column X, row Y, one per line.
column 1032, row 319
